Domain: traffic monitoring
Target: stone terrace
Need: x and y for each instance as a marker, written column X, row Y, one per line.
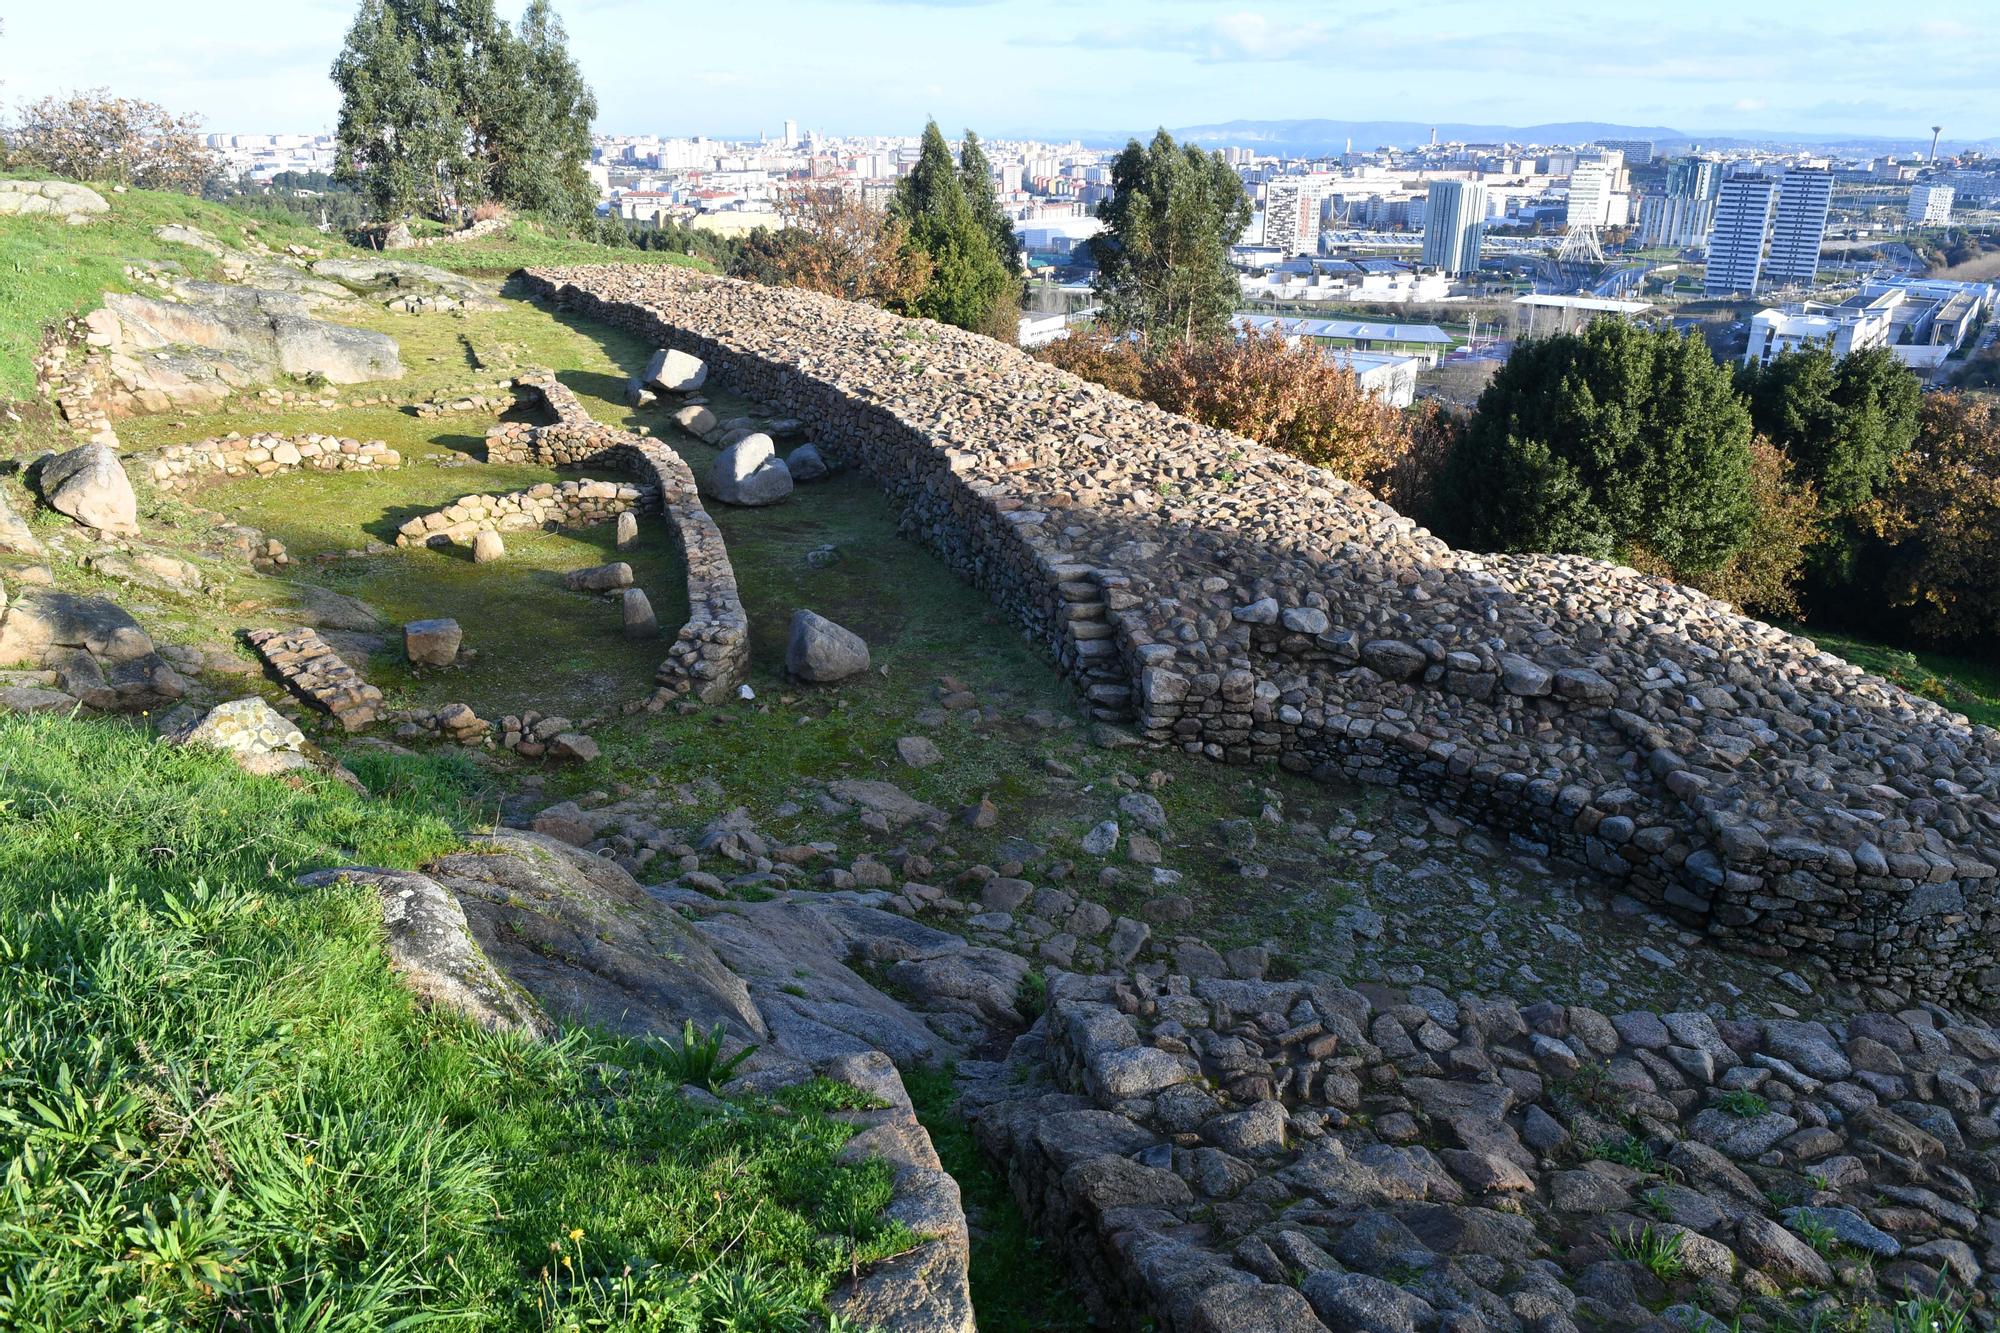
column 1246, row 606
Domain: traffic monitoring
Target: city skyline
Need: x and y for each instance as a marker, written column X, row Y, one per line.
column 882, row 66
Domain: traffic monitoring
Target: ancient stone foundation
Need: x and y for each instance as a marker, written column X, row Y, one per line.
column 183, row 467
column 1243, row 605
column 569, row 504
column 710, row 656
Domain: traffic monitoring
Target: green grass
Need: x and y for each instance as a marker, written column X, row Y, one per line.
column 1742, row 1103
column 1015, row 1286
column 49, row 269
column 1963, row 684
column 1658, row 1251
column 219, row 1110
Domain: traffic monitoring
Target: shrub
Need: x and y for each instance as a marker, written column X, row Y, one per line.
column 835, row 242
column 93, row 136
column 1284, row 395
column 1102, row 358
column 1939, row 516
column 1602, row 442
column 1762, row 575
column 1431, row 430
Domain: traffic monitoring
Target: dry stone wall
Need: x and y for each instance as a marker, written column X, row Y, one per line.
column 311, row 669
column 184, row 467
column 1243, row 605
column 710, row 656
column 569, row 504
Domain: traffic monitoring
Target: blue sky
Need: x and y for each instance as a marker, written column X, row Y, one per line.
column 1046, row 66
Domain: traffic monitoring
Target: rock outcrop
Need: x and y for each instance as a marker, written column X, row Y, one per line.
column 73, row 203
column 1221, row 597
column 98, row 652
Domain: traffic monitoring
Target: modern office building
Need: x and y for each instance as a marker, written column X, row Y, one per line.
column 1736, row 239
column 1675, row 219
column 1454, row 226
column 1799, row 227
column 1693, row 178
column 1921, row 320
column 1292, row 213
column 1930, row 205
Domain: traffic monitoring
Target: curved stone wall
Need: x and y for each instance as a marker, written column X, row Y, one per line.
column 184, row 467
column 569, row 504
column 1244, row 605
column 710, row 657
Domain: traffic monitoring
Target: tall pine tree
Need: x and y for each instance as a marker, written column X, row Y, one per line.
column 1617, row 442
column 970, row 285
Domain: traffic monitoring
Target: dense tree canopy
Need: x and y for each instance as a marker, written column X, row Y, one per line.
column 1163, row 258
column 1844, row 423
column 442, row 106
column 969, row 282
column 1939, row 519
column 1609, row 442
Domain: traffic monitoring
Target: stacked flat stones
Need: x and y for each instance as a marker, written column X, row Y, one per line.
column 710, row 655
column 182, row 467
column 1248, row 607
column 569, row 504
column 311, row 669
column 1228, row 1154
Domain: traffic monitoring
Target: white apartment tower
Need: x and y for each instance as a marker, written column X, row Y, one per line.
column 1675, row 219
column 791, row 134
column 1594, row 197
column 1454, row 226
column 1291, row 213
column 1799, row 228
column 1930, row 205
column 1743, row 208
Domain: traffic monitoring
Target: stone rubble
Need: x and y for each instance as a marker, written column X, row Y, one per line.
column 184, row 467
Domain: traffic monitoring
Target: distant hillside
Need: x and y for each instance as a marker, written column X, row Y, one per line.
column 1311, row 138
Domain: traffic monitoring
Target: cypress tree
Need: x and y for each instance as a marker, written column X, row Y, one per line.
column 977, row 175
column 969, row 285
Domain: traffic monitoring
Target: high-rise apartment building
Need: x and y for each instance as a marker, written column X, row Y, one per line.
column 1594, row 198
column 1743, row 209
column 1454, row 226
column 1693, row 178
column 1930, row 205
column 1799, row 227
column 1292, row 211
column 1675, row 219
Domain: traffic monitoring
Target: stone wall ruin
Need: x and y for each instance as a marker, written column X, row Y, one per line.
column 710, row 656
column 1243, row 605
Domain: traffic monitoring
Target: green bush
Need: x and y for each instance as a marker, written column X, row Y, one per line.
column 1610, row 442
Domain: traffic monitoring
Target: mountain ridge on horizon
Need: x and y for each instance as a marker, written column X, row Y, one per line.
column 1316, row 136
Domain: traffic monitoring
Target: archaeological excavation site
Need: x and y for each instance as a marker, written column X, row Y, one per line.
column 748, row 772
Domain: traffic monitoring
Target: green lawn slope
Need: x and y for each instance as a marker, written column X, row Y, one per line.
column 218, row 1109
column 50, row 269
